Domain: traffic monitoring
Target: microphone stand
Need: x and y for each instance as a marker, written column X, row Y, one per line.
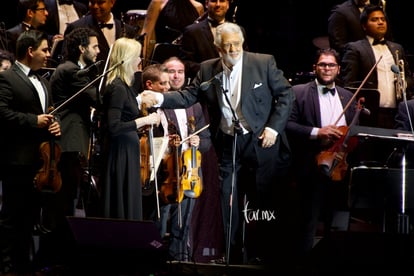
column 236, row 131
column 403, row 219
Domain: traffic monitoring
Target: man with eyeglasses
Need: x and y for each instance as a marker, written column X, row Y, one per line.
column 33, row 15
column 315, row 125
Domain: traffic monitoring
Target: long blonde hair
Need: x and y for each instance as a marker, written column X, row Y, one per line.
column 125, row 51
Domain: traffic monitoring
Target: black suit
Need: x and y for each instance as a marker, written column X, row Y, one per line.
column 88, row 21
column 197, row 45
column 259, row 169
column 344, row 25
column 11, row 36
column 306, row 115
column 52, row 22
column 20, row 159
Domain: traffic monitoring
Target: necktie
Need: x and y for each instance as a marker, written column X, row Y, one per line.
column 105, row 25
column 326, row 90
column 67, row 2
column 377, row 41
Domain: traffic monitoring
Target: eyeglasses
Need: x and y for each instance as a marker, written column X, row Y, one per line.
column 329, row 65
column 41, row 9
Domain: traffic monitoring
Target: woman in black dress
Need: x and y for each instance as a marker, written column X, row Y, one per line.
column 121, row 188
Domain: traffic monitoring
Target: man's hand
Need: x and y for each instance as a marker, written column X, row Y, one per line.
column 148, row 98
column 268, row 138
column 54, row 128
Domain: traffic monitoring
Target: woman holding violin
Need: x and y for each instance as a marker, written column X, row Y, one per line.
column 121, row 176
column 24, row 102
column 319, row 120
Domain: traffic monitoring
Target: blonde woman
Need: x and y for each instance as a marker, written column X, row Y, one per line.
column 121, row 187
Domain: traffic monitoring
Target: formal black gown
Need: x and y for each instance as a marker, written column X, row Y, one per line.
column 121, row 183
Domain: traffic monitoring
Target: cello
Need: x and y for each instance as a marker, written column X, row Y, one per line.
column 191, row 184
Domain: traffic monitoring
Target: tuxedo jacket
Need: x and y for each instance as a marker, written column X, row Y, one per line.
column 11, row 36
column 88, row 21
column 344, row 25
column 75, row 114
column 19, row 107
column 306, row 114
column 266, row 98
column 52, row 22
column 359, row 58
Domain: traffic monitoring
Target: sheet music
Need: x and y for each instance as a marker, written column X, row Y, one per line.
column 160, row 147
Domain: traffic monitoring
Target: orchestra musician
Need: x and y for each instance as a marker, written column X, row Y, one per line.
column 101, row 19
column 24, row 101
column 121, row 174
column 73, row 111
column 176, row 213
column 315, row 118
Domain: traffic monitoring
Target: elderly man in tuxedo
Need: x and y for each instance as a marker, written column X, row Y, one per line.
column 248, row 102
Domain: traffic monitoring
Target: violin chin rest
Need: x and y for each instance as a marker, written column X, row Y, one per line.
column 324, row 169
column 189, row 193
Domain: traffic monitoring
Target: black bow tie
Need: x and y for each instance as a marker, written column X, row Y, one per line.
column 213, row 23
column 377, row 41
column 32, row 73
column 326, row 90
column 67, row 2
column 105, row 25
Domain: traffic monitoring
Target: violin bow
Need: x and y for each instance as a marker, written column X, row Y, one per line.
column 195, row 133
column 357, row 91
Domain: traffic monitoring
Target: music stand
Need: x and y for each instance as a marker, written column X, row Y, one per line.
column 400, row 139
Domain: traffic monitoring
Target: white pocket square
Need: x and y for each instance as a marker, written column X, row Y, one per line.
column 256, row 85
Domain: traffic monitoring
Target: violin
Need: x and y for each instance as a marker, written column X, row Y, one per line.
column 191, row 184
column 145, row 161
column 333, row 162
column 172, row 167
column 48, row 177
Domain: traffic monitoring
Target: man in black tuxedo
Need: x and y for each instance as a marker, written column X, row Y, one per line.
column 344, row 25
column 103, row 22
column 24, row 102
column 32, row 15
column 261, row 98
column 70, row 11
column 316, row 119
column 66, row 81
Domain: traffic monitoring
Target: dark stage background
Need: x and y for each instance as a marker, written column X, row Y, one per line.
column 285, row 30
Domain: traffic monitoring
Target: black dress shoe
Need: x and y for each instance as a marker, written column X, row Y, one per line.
column 40, row 230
